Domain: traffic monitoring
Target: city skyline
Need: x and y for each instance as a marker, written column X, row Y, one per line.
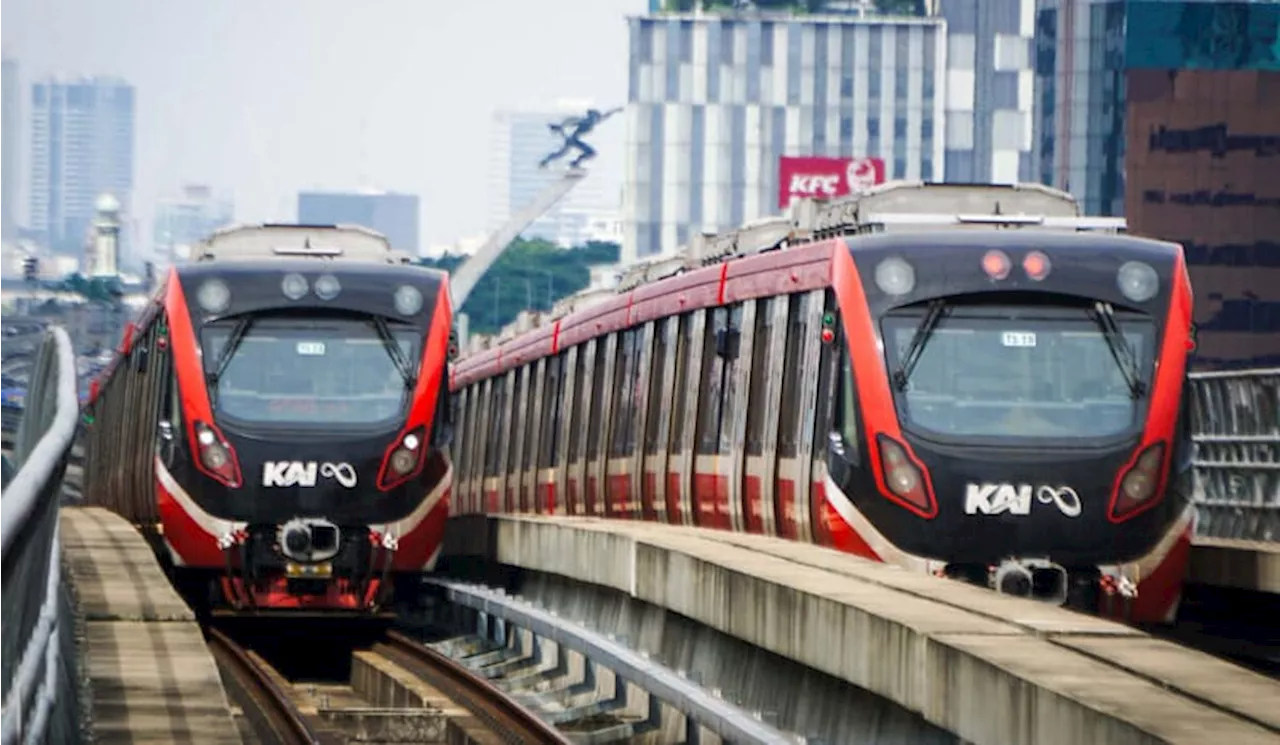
column 240, row 121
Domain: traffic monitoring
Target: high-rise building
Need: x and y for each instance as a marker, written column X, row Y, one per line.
column 10, row 136
column 393, row 215
column 519, row 140
column 716, row 100
column 82, row 142
column 990, row 90
column 187, row 218
column 1166, row 112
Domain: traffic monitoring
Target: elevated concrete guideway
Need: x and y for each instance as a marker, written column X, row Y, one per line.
column 987, row 668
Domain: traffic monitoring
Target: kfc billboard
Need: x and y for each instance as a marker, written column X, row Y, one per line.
column 825, row 178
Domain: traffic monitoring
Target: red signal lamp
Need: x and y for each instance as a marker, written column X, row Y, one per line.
column 1036, row 265
column 996, row 264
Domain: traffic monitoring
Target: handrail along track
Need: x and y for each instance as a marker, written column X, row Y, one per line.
column 506, row 717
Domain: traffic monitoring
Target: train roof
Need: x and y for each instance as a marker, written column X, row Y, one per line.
column 307, row 267
column 1048, row 240
column 274, row 241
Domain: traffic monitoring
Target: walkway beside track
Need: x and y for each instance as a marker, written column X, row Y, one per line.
column 989, row 668
column 151, row 676
column 1240, row 565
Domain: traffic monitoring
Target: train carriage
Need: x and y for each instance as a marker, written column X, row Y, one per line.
column 973, row 381
column 277, row 420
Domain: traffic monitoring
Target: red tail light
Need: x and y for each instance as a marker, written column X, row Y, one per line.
column 403, row 460
column 904, row 478
column 1138, row 487
column 215, row 456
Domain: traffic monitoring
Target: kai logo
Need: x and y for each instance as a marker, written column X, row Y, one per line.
column 995, row 499
column 298, row 473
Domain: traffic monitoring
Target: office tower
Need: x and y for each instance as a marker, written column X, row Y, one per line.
column 82, row 142
column 393, row 215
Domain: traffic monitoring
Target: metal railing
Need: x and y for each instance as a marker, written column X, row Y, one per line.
column 41, row 698
column 1236, row 420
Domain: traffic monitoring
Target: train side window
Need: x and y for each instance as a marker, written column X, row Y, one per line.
column 516, row 417
column 680, row 409
column 789, row 410
column 710, row 398
column 728, row 347
column 759, row 376
column 624, row 393
column 497, row 396
column 595, row 425
column 552, row 401
column 575, row 418
column 533, row 392
column 655, row 402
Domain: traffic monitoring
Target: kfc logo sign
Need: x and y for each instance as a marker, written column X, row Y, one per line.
column 815, row 186
column 825, row 178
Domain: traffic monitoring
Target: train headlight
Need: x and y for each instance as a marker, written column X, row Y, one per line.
column 1138, row 281
column 996, row 264
column 1138, row 485
column 894, row 276
column 327, row 287
column 408, row 300
column 1036, row 265
column 294, row 286
column 903, row 478
column 215, row 456
column 214, row 296
column 403, row 459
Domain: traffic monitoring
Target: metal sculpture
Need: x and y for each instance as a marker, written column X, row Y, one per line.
column 572, row 130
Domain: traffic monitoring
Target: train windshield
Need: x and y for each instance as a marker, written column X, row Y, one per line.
column 311, row 371
column 1020, row 374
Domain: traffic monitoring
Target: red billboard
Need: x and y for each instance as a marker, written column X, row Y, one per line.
column 825, row 178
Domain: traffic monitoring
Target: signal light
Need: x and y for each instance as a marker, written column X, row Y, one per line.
column 1137, row 487
column 828, row 328
column 1036, row 265
column 996, row 264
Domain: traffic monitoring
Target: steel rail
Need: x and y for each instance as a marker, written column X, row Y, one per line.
column 280, row 711
column 505, row 716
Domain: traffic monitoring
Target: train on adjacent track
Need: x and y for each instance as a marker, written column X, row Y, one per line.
column 276, row 420
column 968, row 380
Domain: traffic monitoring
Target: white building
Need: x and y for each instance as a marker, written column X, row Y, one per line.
column 519, row 139
column 715, row 100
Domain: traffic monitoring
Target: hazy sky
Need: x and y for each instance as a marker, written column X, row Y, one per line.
column 266, row 97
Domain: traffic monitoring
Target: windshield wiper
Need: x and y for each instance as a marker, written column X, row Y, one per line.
column 393, row 349
column 224, row 357
column 912, row 354
column 1104, row 315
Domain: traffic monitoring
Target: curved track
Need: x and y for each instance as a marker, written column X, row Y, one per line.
column 277, row 712
column 505, row 717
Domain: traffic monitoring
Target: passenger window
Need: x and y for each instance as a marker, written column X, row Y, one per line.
column 760, row 372
column 595, row 425
column 709, row 392
column 789, row 410
column 552, row 400
column 497, row 396
column 728, row 346
column 680, row 408
column 518, row 415
column 533, row 392
column 624, row 374
column 575, row 420
column 828, row 369
column 656, row 370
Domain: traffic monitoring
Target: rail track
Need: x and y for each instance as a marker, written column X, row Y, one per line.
column 275, row 709
column 504, row 717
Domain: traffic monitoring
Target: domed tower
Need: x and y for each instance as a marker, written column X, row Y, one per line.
column 105, row 261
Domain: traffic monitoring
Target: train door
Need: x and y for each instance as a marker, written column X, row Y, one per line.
column 476, row 421
column 640, row 389
column 529, row 434
column 598, row 426
column 570, row 430
column 549, row 434
column 768, row 344
column 688, row 373
column 796, row 414
column 620, row 499
column 713, row 465
column 824, row 416
column 657, row 423
column 493, row 445
column 580, row 438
